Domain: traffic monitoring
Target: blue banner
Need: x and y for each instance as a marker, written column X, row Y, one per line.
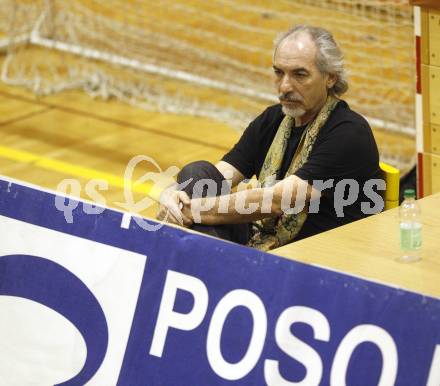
column 101, row 301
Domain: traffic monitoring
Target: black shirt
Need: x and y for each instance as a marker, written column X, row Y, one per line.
column 344, row 149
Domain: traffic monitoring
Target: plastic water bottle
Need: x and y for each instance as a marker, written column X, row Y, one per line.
column 410, row 228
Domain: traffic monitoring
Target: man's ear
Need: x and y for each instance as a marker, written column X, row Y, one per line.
column 331, row 80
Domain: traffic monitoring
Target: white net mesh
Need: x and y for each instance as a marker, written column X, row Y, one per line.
column 209, row 58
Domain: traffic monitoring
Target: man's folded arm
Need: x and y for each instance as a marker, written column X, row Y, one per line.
column 251, row 204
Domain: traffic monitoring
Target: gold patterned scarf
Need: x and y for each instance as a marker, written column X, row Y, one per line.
column 273, row 232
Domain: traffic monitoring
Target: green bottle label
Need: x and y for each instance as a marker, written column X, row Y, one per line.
column 410, row 236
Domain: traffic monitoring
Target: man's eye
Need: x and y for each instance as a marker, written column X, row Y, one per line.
column 278, row 72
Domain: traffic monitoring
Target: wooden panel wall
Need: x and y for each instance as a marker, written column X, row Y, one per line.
column 430, row 73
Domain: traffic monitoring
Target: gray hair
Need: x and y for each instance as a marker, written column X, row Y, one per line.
column 329, row 57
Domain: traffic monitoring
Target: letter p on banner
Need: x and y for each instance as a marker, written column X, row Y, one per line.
column 167, row 317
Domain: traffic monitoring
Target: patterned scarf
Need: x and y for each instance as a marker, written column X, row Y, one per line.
column 273, row 232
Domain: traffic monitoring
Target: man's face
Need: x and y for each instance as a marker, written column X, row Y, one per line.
column 302, row 88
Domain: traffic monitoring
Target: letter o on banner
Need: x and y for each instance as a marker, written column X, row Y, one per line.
column 234, row 371
column 358, row 335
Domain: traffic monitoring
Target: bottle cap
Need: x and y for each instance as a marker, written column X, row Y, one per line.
column 409, row 193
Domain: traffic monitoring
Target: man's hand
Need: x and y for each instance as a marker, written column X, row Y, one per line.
column 174, row 207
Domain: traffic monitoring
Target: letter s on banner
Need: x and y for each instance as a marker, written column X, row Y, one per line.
column 434, row 373
column 234, row 371
column 168, row 318
column 358, row 335
column 297, row 349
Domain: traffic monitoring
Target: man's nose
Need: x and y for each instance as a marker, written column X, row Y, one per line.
column 286, row 84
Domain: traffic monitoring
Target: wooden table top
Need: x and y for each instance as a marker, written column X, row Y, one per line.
column 369, row 248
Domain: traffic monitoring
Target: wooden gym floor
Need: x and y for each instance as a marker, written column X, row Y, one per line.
column 70, row 135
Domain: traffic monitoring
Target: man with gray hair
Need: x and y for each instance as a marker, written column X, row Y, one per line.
column 310, row 142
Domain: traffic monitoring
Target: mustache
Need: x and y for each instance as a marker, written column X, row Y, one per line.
column 289, row 97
